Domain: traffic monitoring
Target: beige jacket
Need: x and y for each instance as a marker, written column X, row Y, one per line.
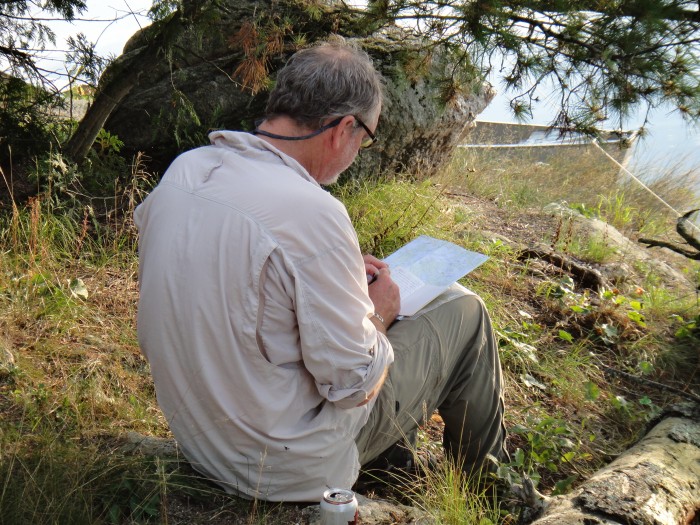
column 253, row 315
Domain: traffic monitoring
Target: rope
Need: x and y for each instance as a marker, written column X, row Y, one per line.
column 636, row 179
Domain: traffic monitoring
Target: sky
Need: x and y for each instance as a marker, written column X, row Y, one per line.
column 670, row 141
column 107, row 23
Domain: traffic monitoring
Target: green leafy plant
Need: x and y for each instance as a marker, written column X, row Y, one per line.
column 107, row 143
column 687, row 329
column 632, row 308
column 548, row 444
column 634, row 407
column 611, row 314
column 518, row 351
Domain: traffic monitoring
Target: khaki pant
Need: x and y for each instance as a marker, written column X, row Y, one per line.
column 445, row 359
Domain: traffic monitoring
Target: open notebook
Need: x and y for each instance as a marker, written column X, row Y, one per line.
column 426, row 267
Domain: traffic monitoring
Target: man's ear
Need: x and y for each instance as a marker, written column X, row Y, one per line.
column 342, row 132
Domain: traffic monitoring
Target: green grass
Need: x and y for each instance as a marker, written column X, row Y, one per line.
column 592, row 180
column 66, row 484
column 390, row 213
column 591, row 247
column 519, row 182
column 93, row 483
column 73, row 382
column 450, row 497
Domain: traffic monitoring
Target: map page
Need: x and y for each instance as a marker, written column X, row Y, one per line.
column 426, row 267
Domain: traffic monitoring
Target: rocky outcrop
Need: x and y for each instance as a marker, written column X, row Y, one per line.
column 419, row 129
column 193, row 88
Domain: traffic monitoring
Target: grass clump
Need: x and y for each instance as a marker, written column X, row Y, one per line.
column 59, row 483
column 99, row 483
column 451, row 497
column 389, row 213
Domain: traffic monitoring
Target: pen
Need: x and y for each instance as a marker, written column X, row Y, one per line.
column 371, row 277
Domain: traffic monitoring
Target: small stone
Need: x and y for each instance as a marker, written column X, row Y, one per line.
column 376, row 512
column 7, row 358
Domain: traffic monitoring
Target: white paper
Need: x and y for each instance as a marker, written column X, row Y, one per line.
column 408, row 283
column 426, row 267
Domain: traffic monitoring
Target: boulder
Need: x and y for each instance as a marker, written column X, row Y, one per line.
column 193, row 87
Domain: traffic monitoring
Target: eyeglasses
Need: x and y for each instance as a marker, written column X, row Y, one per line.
column 366, row 143
column 371, row 138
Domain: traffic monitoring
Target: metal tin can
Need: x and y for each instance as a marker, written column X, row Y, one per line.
column 339, row 507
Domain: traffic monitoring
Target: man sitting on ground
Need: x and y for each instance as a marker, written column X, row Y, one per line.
column 271, row 355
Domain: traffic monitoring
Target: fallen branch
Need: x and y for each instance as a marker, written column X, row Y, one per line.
column 585, row 276
column 695, row 256
column 686, row 229
column 656, row 482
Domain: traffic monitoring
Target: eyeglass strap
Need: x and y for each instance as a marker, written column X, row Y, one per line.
column 283, row 137
column 320, row 130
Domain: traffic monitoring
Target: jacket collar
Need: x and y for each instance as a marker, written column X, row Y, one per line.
column 257, row 148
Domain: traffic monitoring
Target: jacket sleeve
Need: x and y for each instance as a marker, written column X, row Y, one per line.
column 341, row 347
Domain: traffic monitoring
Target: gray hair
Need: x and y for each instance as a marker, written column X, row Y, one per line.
column 328, row 80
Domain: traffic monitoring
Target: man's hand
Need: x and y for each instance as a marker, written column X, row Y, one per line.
column 372, row 266
column 383, row 291
column 376, row 389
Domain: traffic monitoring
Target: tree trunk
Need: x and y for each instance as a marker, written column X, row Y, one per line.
column 106, row 100
column 116, row 83
column 656, row 482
